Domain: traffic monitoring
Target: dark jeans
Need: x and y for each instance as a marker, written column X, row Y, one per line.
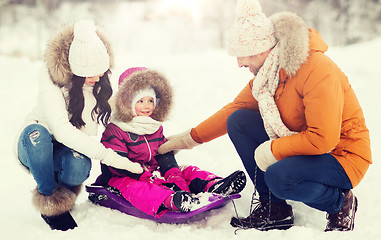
column 318, row 180
column 50, row 161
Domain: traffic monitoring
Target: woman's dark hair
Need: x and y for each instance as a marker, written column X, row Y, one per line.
column 102, row 92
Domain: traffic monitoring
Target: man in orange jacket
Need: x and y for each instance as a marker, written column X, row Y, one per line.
column 297, row 126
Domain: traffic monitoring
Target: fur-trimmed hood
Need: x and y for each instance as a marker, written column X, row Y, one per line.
column 136, row 82
column 292, row 34
column 56, row 55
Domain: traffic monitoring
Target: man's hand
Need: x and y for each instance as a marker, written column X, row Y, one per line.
column 176, row 142
column 263, row 156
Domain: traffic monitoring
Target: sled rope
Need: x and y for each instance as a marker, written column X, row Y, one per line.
column 254, row 201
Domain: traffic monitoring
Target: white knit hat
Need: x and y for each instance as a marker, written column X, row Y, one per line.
column 147, row 92
column 252, row 32
column 88, row 56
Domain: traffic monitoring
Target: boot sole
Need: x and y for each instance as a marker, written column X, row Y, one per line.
column 61, row 222
column 234, row 183
column 183, row 201
column 266, row 226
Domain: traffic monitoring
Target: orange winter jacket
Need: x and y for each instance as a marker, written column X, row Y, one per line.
column 318, row 103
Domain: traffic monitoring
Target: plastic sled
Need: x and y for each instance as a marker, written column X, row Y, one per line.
column 111, row 198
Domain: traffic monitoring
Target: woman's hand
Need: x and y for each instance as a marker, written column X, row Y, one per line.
column 112, row 159
column 179, row 141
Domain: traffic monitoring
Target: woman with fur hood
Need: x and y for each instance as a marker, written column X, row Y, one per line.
column 56, row 143
column 142, row 103
column 297, row 126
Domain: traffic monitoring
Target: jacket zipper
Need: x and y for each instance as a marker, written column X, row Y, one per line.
column 149, row 148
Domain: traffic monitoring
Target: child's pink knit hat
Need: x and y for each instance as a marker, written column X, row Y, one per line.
column 252, row 32
column 128, row 72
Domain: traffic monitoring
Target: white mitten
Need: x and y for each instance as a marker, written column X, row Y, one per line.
column 112, row 159
column 264, row 156
column 179, row 141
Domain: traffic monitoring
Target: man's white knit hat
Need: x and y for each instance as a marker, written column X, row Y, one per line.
column 88, row 56
column 252, row 32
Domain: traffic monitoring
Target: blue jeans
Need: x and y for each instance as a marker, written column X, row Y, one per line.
column 318, row 181
column 49, row 161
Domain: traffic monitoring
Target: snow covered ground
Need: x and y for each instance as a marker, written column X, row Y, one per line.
column 203, row 81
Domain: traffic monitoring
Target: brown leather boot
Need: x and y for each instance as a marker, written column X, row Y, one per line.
column 344, row 220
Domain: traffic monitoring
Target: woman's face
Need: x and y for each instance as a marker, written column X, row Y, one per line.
column 144, row 107
column 90, row 81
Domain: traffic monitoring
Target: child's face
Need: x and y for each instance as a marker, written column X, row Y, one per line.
column 144, row 107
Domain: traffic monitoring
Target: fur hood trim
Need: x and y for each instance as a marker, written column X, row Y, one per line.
column 138, row 81
column 61, row 201
column 293, row 36
column 56, row 55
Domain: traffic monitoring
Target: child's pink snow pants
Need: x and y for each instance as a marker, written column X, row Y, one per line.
column 148, row 195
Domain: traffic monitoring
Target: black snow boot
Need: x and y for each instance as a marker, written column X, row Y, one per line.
column 61, row 222
column 267, row 216
column 344, row 220
column 234, row 183
column 184, row 201
column 55, row 208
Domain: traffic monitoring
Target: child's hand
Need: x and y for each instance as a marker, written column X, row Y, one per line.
column 146, row 177
column 174, row 176
column 180, row 141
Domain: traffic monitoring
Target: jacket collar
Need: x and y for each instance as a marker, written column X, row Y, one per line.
column 294, row 38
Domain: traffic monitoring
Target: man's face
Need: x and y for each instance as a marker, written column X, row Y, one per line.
column 254, row 63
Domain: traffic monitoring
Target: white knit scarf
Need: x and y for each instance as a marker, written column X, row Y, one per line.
column 140, row 125
column 264, row 87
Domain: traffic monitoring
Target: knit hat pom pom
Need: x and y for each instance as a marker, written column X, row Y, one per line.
column 84, row 30
column 246, row 8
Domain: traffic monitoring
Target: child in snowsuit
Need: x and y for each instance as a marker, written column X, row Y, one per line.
column 142, row 103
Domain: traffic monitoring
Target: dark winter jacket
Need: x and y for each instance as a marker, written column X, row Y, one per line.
column 137, row 148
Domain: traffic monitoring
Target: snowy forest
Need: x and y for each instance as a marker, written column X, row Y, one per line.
column 185, row 25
